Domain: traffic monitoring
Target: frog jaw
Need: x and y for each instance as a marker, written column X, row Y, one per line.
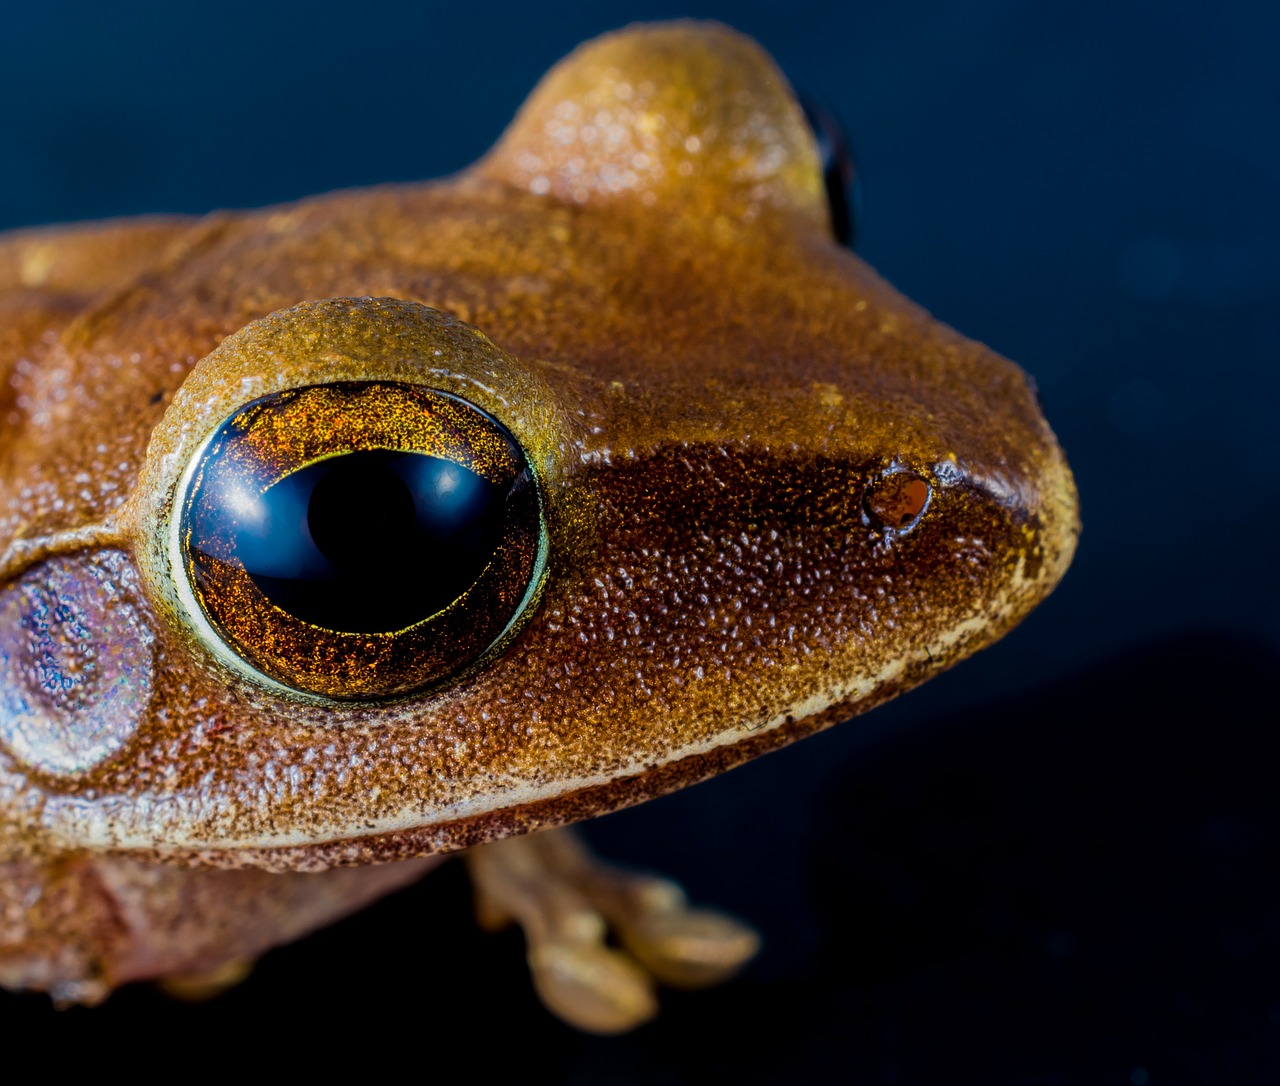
column 699, row 692
column 709, row 597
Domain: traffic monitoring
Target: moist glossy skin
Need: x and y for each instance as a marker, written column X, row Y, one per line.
column 710, row 390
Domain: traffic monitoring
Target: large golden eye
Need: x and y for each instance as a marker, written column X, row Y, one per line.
column 361, row 539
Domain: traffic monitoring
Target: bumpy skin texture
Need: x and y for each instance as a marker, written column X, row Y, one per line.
column 706, row 384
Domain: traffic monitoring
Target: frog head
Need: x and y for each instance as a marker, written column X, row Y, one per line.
column 396, row 520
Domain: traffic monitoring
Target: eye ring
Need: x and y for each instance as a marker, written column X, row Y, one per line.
column 270, row 571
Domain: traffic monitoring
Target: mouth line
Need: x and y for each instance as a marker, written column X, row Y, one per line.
column 106, row 823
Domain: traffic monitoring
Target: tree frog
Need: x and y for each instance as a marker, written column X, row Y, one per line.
column 342, row 535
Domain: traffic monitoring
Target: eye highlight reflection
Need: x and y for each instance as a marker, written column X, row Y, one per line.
column 361, row 539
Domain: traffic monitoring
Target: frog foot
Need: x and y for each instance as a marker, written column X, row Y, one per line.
column 567, row 901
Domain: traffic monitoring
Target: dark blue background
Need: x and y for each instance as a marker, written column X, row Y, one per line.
column 1056, row 863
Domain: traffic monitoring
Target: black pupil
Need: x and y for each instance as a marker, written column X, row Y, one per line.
column 371, row 541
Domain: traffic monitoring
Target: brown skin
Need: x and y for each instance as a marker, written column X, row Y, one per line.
column 714, row 395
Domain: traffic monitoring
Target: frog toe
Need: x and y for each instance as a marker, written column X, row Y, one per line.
column 205, row 984
column 592, row 986
column 689, row 948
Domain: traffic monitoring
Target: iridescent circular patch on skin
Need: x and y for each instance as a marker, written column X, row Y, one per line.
column 76, row 661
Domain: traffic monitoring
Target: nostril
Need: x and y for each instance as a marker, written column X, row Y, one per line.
column 897, row 499
column 839, row 172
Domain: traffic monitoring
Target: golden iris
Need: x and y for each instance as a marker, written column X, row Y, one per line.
column 361, row 539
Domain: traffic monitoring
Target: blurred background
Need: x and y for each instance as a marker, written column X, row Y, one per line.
column 1055, row 864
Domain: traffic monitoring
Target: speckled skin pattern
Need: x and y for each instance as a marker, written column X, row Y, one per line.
column 639, row 282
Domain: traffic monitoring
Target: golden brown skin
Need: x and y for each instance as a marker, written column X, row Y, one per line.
column 714, row 396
